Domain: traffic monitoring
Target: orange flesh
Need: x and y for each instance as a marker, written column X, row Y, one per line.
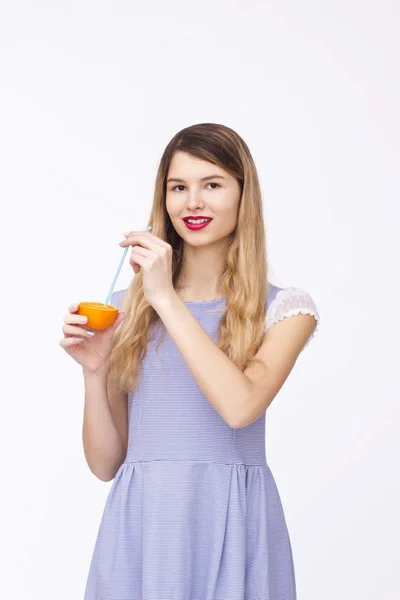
column 98, row 305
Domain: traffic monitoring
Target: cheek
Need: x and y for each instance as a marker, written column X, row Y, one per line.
column 172, row 207
column 228, row 220
column 226, row 210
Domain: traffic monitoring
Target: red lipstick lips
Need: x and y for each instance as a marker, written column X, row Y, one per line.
column 195, row 226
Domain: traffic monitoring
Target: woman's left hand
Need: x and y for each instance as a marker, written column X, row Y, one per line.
column 154, row 256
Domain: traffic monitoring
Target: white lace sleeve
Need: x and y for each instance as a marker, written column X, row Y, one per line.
column 288, row 302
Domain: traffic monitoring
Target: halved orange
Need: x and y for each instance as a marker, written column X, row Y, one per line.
column 99, row 315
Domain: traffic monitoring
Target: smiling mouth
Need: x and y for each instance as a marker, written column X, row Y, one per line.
column 196, row 220
column 197, row 225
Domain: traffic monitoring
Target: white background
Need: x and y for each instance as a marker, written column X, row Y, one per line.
column 90, row 94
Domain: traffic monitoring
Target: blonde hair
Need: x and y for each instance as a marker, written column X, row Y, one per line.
column 244, row 280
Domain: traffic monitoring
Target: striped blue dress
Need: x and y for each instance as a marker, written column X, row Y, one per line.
column 193, row 513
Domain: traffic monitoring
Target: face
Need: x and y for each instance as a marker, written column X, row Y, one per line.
column 199, row 188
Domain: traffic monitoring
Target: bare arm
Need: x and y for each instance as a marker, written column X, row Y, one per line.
column 239, row 397
column 221, row 381
column 105, row 426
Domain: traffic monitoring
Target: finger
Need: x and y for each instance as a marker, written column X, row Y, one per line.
column 140, row 250
column 145, row 238
column 73, row 308
column 128, row 233
column 118, row 320
column 127, row 242
column 134, row 262
column 72, row 318
column 72, row 330
column 66, row 342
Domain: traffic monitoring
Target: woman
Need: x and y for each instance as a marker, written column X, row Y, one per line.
column 177, row 390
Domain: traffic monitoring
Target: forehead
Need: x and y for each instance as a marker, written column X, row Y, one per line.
column 186, row 165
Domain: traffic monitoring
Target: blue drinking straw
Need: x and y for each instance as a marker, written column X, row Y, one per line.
column 119, row 270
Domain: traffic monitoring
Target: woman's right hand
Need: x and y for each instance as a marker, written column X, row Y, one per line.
column 91, row 352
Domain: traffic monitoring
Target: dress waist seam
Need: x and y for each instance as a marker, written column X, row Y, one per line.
column 217, row 462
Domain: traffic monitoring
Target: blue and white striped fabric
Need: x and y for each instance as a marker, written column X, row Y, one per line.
column 194, row 512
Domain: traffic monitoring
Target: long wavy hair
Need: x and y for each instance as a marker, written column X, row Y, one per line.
column 244, row 279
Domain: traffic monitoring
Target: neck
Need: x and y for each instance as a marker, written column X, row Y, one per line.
column 200, row 274
column 190, row 294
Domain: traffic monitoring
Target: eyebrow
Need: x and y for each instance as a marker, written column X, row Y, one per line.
column 203, row 179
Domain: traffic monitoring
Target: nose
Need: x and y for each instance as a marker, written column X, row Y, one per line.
column 194, row 200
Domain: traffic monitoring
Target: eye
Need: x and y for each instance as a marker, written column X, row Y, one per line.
column 211, row 183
